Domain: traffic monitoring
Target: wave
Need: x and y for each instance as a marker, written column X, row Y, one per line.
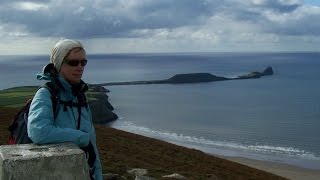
column 218, row 146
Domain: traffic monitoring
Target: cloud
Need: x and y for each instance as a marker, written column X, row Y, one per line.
column 174, row 21
column 102, row 18
column 283, row 6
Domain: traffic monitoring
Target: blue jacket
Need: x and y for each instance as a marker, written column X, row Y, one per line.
column 43, row 129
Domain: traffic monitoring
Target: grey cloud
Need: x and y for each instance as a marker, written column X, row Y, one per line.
column 88, row 19
column 289, row 18
column 306, row 25
column 95, row 22
column 14, row 1
column 255, row 12
column 283, row 6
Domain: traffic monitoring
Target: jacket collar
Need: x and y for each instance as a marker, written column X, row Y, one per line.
column 75, row 89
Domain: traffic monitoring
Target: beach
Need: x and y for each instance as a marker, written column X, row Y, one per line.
column 284, row 170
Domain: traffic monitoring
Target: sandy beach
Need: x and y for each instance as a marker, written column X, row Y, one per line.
column 284, row 170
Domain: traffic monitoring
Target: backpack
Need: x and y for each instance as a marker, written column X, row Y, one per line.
column 18, row 127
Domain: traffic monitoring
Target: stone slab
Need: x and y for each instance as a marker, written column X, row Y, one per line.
column 36, row 162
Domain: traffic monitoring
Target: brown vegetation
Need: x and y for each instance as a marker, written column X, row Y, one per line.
column 121, row 151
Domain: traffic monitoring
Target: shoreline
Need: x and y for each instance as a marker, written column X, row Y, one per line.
column 289, row 171
column 284, row 170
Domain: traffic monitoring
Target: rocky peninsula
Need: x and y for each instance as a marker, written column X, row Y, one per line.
column 193, row 78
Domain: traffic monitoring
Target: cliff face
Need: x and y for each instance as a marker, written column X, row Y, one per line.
column 100, row 106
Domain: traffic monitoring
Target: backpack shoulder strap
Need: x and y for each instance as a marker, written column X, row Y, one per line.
column 82, row 101
column 54, row 97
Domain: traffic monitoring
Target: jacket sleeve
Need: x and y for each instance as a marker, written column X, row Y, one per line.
column 97, row 164
column 41, row 128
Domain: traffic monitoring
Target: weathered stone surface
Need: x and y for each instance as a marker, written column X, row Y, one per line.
column 144, row 178
column 50, row 162
column 138, row 171
column 174, row 176
column 111, row 176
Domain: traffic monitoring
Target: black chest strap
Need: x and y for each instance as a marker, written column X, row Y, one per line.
column 81, row 103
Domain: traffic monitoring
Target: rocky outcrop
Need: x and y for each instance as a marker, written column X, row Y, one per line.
column 252, row 75
column 268, row 71
column 174, row 176
column 141, row 174
column 101, row 108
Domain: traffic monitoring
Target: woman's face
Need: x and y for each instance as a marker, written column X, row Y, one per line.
column 73, row 65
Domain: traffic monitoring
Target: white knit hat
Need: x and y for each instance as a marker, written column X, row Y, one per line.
column 61, row 50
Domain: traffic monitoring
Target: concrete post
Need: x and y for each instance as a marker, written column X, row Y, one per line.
column 46, row 162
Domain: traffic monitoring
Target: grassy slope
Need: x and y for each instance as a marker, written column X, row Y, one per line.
column 17, row 97
column 121, row 151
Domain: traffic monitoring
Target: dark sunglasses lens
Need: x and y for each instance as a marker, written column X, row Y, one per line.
column 76, row 63
column 84, row 62
column 72, row 63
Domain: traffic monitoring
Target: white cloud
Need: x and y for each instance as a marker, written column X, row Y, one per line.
column 30, row 6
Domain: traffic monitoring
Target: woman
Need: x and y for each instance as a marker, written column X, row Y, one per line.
column 69, row 59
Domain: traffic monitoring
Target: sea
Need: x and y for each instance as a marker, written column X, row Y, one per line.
column 274, row 118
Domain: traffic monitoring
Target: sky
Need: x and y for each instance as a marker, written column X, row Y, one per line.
column 146, row 26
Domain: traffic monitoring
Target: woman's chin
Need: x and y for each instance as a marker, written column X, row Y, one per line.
column 74, row 81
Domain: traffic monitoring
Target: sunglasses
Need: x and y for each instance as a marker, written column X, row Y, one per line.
column 75, row 63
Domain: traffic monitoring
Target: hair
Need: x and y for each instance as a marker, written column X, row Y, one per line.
column 62, row 49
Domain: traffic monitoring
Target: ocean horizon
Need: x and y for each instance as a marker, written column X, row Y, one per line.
column 273, row 118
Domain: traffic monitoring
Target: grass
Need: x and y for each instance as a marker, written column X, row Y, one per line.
column 18, row 96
